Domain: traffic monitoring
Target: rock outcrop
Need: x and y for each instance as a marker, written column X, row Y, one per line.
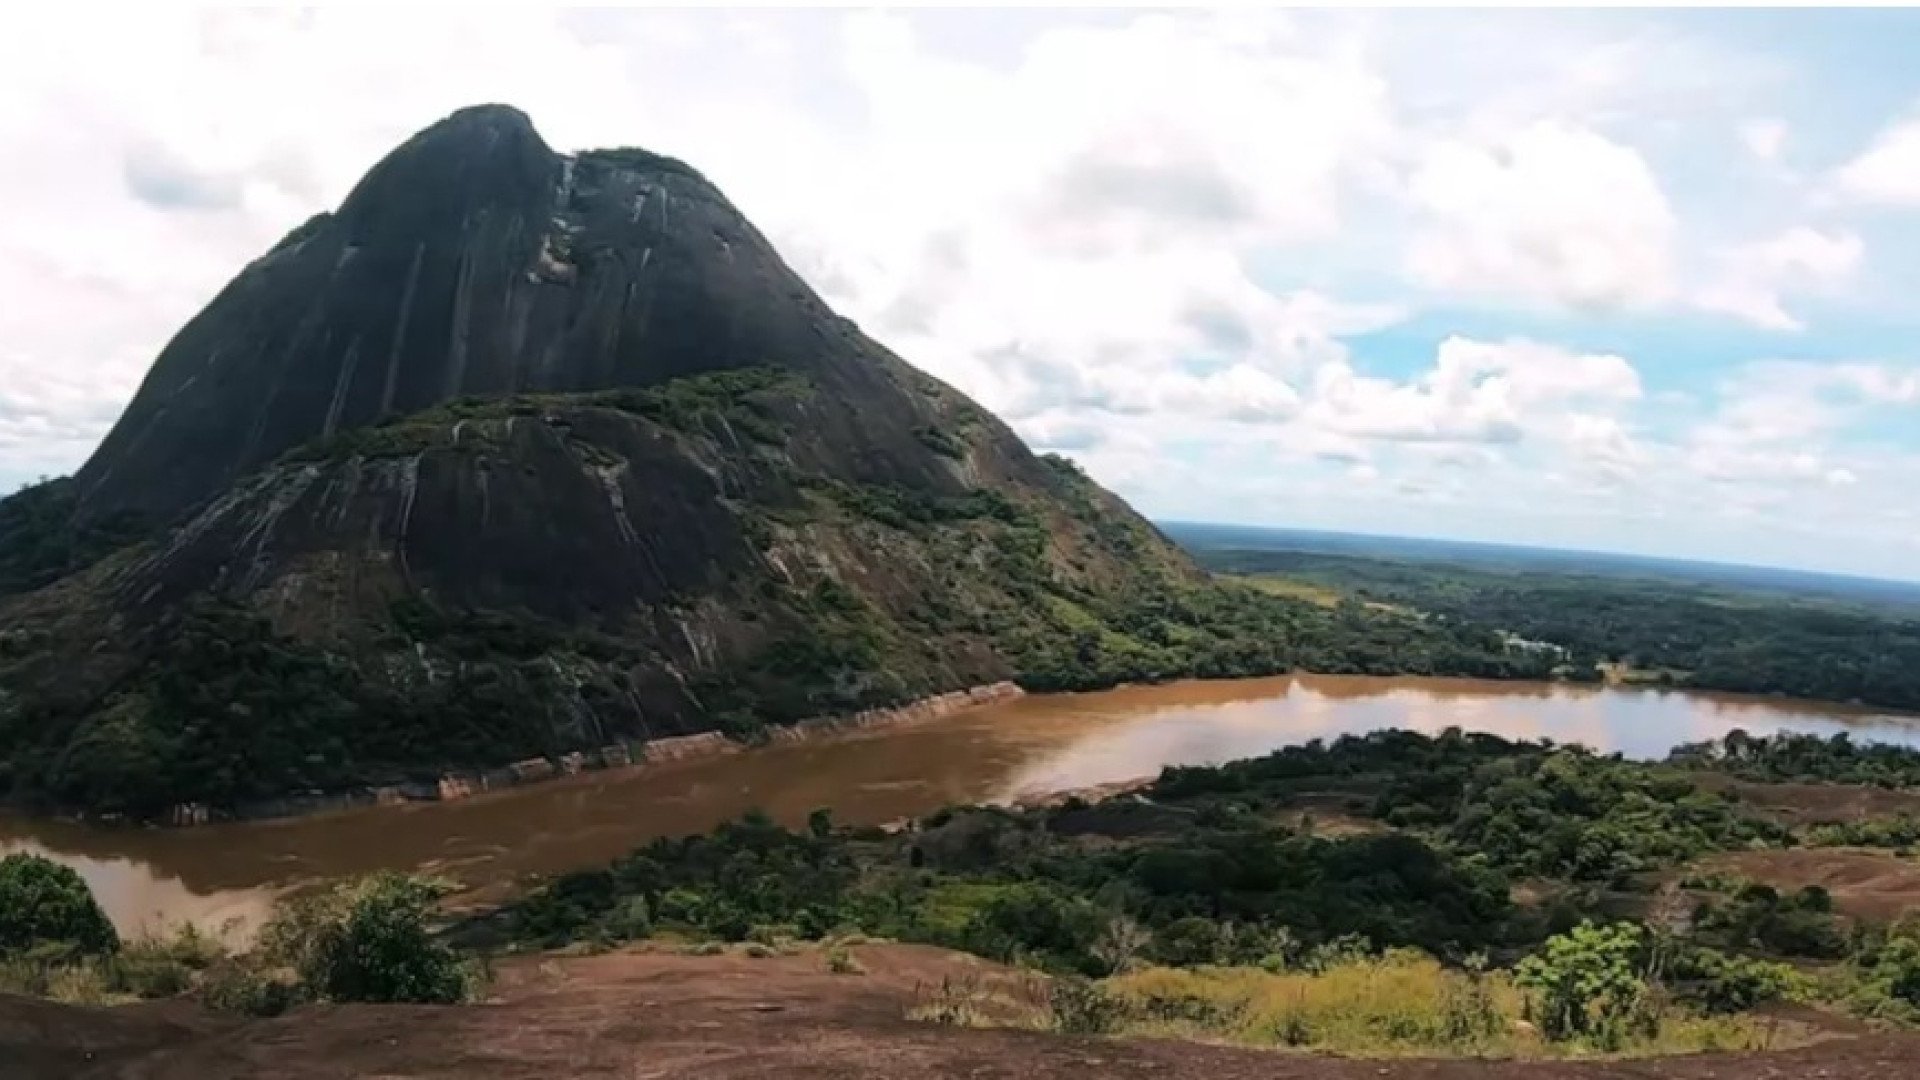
column 516, row 455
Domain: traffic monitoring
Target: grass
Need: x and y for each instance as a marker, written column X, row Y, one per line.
column 152, row 966
column 1617, row 674
column 1311, row 592
column 1291, row 588
column 1400, row 1003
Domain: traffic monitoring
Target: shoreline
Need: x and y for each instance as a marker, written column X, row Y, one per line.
column 628, row 754
column 635, row 753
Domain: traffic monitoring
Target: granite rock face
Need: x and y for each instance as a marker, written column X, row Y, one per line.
column 518, row 454
column 472, row 261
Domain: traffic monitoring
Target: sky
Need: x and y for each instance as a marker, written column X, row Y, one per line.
column 1626, row 281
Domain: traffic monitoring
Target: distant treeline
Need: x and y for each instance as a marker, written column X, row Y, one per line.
column 1711, row 635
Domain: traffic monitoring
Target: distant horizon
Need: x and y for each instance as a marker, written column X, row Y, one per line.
column 1552, row 549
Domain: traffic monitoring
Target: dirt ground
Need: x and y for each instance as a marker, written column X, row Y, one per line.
column 1806, row 804
column 1874, row 885
column 637, row 1016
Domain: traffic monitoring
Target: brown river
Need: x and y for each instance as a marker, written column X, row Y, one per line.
column 226, row 876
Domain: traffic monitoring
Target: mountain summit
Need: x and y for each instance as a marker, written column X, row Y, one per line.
column 472, row 261
column 520, row 453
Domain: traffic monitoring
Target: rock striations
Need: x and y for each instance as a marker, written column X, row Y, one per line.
column 518, row 454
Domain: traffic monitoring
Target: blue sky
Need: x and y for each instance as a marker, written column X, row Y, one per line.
column 1634, row 281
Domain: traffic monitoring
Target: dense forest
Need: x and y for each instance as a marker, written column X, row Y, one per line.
column 1667, row 628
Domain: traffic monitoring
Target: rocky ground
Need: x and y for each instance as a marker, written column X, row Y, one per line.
column 655, row 1015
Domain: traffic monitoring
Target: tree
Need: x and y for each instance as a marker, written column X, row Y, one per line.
column 44, row 903
column 1587, row 980
column 1120, row 944
column 367, row 940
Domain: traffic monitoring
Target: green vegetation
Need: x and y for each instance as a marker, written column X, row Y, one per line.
column 46, row 906
column 154, row 966
column 193, row 723
column 41, row 543
column 1398, row 1002
column 1722, row 983
column 363, row 940
column 1528, row 809
column 1758, row 917
column 1883, row 974
column 1196, row 909
column 1009, row 887
column 1836, row 759
column 1587, row 983
column 730, row 404
column 1690, row 631
column 1900, row 833
column 366, row 940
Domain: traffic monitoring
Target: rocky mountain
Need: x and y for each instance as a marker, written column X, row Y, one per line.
column 518, row 453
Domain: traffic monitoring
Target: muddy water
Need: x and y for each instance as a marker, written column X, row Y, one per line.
column 221, row 873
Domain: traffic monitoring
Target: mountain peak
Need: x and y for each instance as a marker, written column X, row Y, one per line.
column 472, row 260
column 479, row 156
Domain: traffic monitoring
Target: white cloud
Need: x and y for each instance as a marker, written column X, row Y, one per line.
column 1754, row 276
column 1813, row 386
column 1888, row 170
column 1778, row 422
column 1075, row 229
column 1764, row 138
column 1604, row 445
column 1490, row 392
column 1549, row 212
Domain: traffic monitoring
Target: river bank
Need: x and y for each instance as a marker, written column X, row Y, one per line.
column 636, row 753
column 868, row 771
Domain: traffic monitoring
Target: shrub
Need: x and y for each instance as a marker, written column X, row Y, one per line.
column 630, row 920
column 1187, row 942
column 1724, row 983
column 1082, row 1007
column 841, row 961
column 43, row 903
column 148, row 974
column 367, row 941
column 1587, row 981
column 1757, row 915
column 249, row 990
column 1886, row 977
column 1038, row 921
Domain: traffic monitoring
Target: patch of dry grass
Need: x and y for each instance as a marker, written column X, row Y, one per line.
column 1402, row 1003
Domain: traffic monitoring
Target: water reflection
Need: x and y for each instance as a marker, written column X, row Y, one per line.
column 1034, row 745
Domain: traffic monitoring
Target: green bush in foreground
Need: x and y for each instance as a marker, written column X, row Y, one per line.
column 367, row 940
column 45, row 905
column 1588, row 982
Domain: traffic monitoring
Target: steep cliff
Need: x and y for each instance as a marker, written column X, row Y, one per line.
column 518, row 453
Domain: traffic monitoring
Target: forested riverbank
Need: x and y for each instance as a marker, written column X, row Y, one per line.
column 1673, row 627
